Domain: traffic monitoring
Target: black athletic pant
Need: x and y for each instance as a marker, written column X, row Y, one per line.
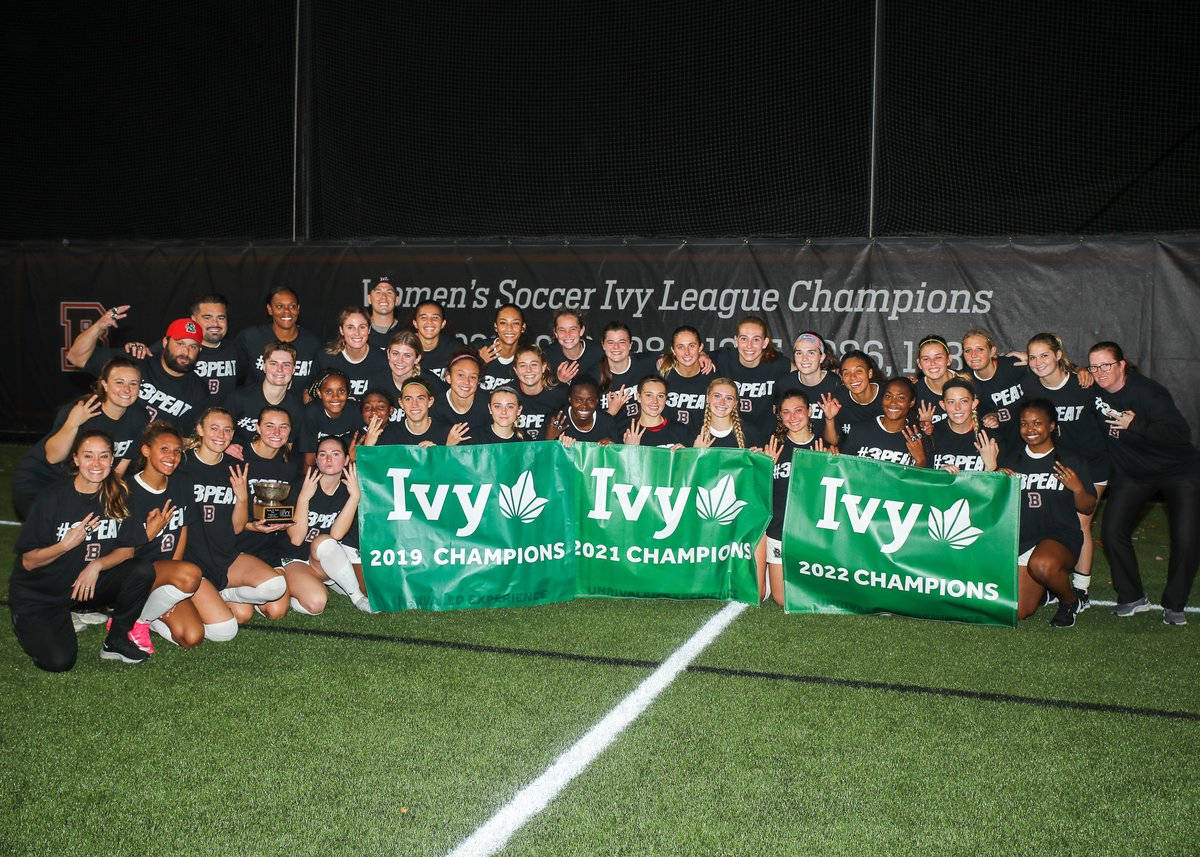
column 46, row 633
column 1125, row 501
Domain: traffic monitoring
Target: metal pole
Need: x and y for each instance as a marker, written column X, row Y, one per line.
column 296, row 122
column 874, row 115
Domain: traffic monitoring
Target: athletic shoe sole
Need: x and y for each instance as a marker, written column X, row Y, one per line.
column 1122, row 612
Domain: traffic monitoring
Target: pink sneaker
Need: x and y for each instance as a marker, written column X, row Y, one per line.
column 139, row 635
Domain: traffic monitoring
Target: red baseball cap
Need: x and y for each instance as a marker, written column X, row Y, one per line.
column 184, row 328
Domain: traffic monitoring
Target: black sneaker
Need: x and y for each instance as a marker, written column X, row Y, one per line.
column 121, row 648
column 1065, row 617
column 1084, row 601
column 1047, row 597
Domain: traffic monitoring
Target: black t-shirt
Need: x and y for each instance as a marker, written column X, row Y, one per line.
column 853, row 412
column 436, row 433
column 1158, row 443
column 728, row 440
column 780, row 478
column 33, row 472
column 246, row 403
column 387, row 384
column 434, row 360
column 141, row 501
column 487, row 435
column 219, row 366
column 1079, row 426
column 871, row 440
column 603, row 427
column 757, row 387
column 323, row 510
column 1047, row 506
column 589, row 360
column 55, row 511
column 211, row 544
column 924, row 394
column 362, row 375
column 999, row 394
column 382, row 338
column 666, row 434
column 536, row 410
column 269, row 547
column 179, row 399
column 686, row 398
column 317, row 424
column 950, row 447
column 476, row 416
column 500, row 372
column 640, row 365
column 251, row 341
column 830, row 384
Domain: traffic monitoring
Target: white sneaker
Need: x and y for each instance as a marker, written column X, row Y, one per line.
column 363, row 603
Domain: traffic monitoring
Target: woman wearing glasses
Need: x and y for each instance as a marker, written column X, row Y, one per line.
column 1150, row 447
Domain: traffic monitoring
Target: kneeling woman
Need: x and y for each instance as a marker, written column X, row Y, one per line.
column 67, row 560
column 221, row 496
column 1053, row 496
column 170, row 609
column 326, row 525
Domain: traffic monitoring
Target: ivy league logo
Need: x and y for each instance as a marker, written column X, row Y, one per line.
column 521, row 502
column 952, row 525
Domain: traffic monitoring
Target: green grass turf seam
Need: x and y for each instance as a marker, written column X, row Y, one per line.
column 856, row 684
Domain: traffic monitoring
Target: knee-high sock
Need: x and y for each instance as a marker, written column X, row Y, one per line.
column 299, row 608
column 337, row 566
column 160, row 627
column 161, row 600
column 221, row 632
column 271, row 589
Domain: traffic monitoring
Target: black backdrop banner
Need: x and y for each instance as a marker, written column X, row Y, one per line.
column 881, row 296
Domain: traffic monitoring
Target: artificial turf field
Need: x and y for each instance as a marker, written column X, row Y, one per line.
column 402, row 733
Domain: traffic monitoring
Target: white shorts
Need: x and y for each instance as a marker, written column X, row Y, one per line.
column 1023, row 559
column 774, row 551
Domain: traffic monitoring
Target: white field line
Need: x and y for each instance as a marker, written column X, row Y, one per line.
column 494, row 833
column 10, row 523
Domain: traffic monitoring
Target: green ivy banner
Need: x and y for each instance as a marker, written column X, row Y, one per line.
column 864, row 536
column 447, row 528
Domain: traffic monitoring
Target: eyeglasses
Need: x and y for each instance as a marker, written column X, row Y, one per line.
column 1101, row 367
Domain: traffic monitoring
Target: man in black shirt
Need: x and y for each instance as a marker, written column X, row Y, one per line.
column 170, row 389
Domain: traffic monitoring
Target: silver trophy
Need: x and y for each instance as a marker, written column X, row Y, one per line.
column 269, row 495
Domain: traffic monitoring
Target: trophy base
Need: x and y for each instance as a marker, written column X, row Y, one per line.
column 274, row 514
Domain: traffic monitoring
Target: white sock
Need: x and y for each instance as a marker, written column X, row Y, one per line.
column 159, row 627
column 162, row 599
column 271, row 589
column 299, row 608
column 338, row 568
column 221, row 632
column 1080, row 580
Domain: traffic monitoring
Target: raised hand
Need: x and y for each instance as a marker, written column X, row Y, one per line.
column 77, row 534
column 1068, row 477
column 567, row 370
column 1121, row 421
column 457, row 434
column 915, row 442
column 988, row 449
column 633, row 434
column 925, row 414
column 773, row 448
column 309, row 486
column 82, row 411
column 831, row 405
column 237, row 479
column 350, row 480
column 157, row 519
column 704, row 440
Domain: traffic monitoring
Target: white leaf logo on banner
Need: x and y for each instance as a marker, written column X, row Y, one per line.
column 719, row 504
column 953, row 525
column 521, row 500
